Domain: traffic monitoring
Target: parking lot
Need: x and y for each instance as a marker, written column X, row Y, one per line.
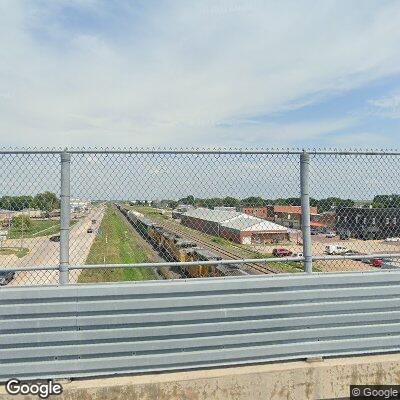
column 319, row 243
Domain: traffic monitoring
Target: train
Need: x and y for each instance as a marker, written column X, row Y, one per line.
column 173, row 247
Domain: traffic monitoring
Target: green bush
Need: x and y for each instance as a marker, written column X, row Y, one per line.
column 22, row 222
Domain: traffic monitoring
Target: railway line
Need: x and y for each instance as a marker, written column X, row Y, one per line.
column 261, row 268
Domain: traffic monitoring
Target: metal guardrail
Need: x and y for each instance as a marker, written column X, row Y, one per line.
column 92, row 330
column 52, row 327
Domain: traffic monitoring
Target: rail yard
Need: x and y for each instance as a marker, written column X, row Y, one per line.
column 175, row 243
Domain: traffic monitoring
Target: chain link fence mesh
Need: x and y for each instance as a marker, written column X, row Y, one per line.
column 154, row 207
column 358, row 207
column 29, row 216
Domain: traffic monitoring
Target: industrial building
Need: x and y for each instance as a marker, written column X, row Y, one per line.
column 182, row 208
column 289, row 216
column 368, row 223
column 224, row 208
column 78, row 205
column 235, row 226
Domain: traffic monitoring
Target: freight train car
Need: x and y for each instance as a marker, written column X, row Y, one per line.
column 182, row 248
column 198, row 271
column 142, row 224
column 173, row 247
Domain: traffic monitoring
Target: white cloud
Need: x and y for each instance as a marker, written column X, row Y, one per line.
column 175, row 74
column 388, row 107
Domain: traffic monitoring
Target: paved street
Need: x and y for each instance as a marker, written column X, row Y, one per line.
column 44, row 252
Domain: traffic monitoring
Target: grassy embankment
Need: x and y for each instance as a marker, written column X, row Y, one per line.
column 115, row 245
column 39, row 227
column 239, row 249
column 19, row 252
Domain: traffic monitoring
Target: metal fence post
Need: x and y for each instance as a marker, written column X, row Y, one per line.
column 65, row 216
column 305, row 209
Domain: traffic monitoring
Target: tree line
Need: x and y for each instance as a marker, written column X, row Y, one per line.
column 386, row 201
column 322, row 205
column 46, row 201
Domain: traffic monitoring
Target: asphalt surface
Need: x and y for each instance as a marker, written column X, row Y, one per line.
column 44, row 252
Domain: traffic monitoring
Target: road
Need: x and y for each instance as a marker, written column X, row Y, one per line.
column 45, row 252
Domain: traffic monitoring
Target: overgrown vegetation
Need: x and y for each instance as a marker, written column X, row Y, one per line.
column 115, row 245
column 19, row 252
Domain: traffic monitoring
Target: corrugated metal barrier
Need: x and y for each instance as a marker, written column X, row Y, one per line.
column 89, row 330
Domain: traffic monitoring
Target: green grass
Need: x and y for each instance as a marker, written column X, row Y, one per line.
column 40, row 227
column 19, row 252
column 115, row 245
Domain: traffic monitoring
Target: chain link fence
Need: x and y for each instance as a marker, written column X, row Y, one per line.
column 106, row 216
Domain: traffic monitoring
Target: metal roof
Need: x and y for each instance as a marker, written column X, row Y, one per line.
column 235, row 220
column 245, row 223
column 212, row 215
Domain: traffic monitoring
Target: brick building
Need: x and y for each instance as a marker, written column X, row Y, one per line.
column 289, row 216
column 368, row 223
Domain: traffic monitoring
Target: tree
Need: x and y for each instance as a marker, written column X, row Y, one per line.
column 172, row 204
column 230, row 202
column 253, row 201
column 22, row 222
column 16, row 203
column 330, row 203
column 46, row 201
column 386, row 201
column 187, row 200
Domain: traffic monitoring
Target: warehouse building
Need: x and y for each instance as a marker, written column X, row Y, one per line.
column 234, row 226
column 259, row 212
column 182, row 208
column 368, row 223
column 289, row 216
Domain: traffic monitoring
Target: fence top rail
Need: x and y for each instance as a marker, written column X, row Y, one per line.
column 342, row 152
column 227, row 262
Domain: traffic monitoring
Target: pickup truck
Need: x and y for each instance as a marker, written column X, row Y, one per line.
column 335, row 249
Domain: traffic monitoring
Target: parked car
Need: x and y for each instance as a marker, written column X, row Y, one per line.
column 6, row 277
column 90, row 230
column 281, row 252
column 330, row 234
column 93, row 221
column 297, row 255
column 314, row 232
column 55, row 238
column 344, row 237
column 335, row 249
column 356, row 253
column 366, row 260
column 392, row 239
column 377, row 262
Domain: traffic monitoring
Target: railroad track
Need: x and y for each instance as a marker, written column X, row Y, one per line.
column 217, row 249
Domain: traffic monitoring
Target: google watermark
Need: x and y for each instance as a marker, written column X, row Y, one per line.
column 375, row 392
column 41, row 389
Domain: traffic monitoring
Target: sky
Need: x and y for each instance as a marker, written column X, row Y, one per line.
column 253, row 74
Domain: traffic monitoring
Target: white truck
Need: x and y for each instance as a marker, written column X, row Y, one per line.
column 335, row 249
